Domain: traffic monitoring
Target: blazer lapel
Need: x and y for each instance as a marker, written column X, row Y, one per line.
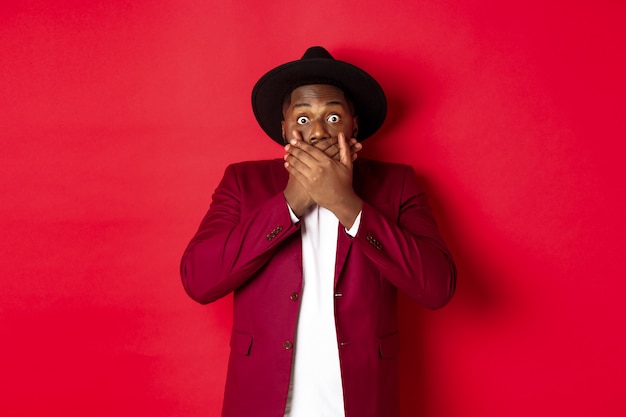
column 344, row 242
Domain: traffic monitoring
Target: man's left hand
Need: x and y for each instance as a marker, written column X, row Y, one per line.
column 327, row 180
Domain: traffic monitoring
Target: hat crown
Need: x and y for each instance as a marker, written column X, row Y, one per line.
column 317, row 52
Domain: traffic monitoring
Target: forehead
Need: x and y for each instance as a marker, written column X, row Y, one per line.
column 315, row 92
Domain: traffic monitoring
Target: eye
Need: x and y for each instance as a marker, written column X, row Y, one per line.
column 333, row 118
column 302, row 120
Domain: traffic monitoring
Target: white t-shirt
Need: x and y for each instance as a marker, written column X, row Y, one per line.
column 316, row 388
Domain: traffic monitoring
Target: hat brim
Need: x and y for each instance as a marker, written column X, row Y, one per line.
column 368, row 96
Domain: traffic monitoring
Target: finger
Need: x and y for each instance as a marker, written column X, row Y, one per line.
column 293, row 162
column 294, row 172
column 306, row 152
column 293, row 157
column 345, row 157
column 295, row 134
column 329, row 147
column 332, row 150
column 355, row 146
column 302, row 157
column 324, row 144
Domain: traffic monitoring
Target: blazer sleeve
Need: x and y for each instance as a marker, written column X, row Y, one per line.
column 233, row 242
column 406, row 246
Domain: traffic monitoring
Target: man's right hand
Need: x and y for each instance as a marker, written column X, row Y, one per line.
column 297, row 197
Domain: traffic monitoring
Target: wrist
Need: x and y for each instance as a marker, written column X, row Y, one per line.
column 298, row 203
column 348, row 211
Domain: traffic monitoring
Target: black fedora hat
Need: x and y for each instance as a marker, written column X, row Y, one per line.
column 317, row 66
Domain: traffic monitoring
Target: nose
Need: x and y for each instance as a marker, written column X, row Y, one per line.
column 318, row 131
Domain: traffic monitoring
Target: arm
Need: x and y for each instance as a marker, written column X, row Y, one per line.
column 235, row 239
column 326, row 181
column 231, row 245
column 408, row 250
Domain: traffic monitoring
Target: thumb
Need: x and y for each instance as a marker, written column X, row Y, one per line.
column 345, row 157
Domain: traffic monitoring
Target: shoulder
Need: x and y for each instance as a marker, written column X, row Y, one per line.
column 379, row 169
column 263, row 168
column 255, row 165
column 256, row 176
column 383, row 183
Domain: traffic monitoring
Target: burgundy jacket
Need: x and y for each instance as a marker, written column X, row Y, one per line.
column 247, row 243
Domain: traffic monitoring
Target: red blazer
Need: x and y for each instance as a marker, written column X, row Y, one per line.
column 247, row 243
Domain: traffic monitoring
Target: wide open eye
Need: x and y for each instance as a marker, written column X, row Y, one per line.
column 333, row 118
column 302, row 120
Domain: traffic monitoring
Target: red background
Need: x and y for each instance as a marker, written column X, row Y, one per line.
column 118, row 118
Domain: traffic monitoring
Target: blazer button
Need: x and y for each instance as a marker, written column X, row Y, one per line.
column 271, row 235
column 372, row 240
column 288, row 345
column 294, row 296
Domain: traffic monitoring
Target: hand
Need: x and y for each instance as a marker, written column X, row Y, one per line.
column 327, row 181
column 297, row 197
column 330, row 146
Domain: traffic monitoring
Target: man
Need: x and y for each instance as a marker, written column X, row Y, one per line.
column 315, row 247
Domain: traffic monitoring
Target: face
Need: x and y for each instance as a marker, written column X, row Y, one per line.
column 319, row 112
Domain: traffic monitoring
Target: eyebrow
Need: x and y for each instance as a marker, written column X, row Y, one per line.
column 328, row 103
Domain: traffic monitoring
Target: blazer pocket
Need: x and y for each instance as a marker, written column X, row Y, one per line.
column 241, row 343
column 389, row 346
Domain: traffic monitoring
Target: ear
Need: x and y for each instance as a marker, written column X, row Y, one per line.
column 355, row 126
